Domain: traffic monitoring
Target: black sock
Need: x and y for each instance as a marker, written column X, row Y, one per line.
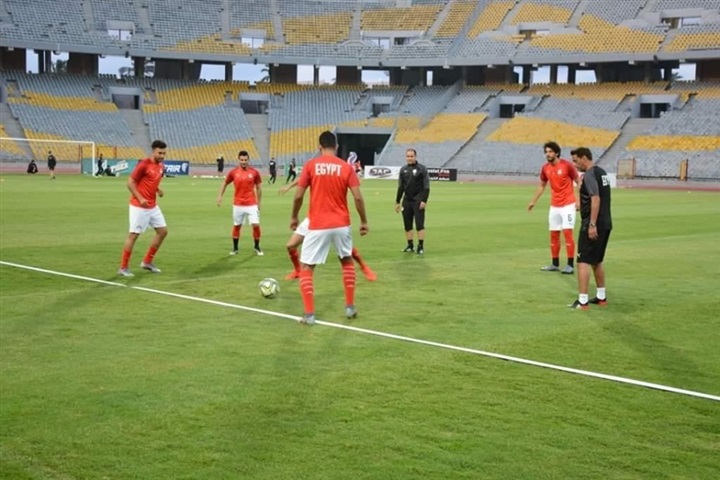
column 421, row 243
column 235, row 243
column 571, row 261
column 556, row 262
column 257, row 244
column 410, row 244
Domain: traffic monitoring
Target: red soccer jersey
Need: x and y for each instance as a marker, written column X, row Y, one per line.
column 329, row 179
column 244, row 181
column 147, row 174
column 561, row 177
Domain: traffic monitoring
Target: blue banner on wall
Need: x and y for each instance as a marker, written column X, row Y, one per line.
column 176, row 167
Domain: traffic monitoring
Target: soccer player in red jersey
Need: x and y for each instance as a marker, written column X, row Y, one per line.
column 562, row 175
column 144, row 186
column 246, row 202
column 296, row 239
column 329, row 178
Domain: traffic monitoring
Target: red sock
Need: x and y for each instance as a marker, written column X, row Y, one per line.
column 236, row 231
column 349, row 277
column 307, row 291
column 555, row 243
column 150, row 255
column 356, row 256
column 294, row 258
column 256, row 232
column 569, row 243
column 125, row 259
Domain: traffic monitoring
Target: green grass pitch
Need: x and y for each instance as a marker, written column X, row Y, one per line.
column 98, row 381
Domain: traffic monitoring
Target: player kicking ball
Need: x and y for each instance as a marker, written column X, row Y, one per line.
column 296, row 239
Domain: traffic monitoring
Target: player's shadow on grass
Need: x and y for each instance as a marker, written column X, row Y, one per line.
column 674, row 366
column 223, row 264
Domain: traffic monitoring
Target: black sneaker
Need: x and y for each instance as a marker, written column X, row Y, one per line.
column 597, row 301
column 579, row 306
column 409, row 249
column 420, row 250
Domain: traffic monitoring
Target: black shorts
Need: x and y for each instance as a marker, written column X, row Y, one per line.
column 411, row 211
column 592, row 251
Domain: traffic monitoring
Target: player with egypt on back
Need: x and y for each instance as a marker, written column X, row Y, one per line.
column 246, row 201
column 329, row 179
column 562, row 175
column 296, row 239
column 144, row 186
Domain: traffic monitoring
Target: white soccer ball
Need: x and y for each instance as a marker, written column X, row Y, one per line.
column 269, row 287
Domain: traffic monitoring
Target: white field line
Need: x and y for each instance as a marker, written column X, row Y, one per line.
column 524, row 361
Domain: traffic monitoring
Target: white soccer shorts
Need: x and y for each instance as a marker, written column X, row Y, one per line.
column 303, row 228
column 562, row 218
column 317, row 243
column 143, row 218
column 251, row 212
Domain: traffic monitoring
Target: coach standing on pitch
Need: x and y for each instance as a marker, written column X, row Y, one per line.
column 595, row 228
column 414, row 190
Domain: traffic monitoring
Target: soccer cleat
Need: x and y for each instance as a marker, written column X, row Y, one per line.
column 550, row 268
column 150, row 267
column 409, row 249
column 598, row 302
column 350, row 312
column 124, row 272
column 308, row 319
column 579, row 306
column 420, row 250
column 294, row 275
column 259, row 252
column 234, row 252
column 369, row 274
column 567, row 270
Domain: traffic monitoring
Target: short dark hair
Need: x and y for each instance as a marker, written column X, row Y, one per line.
column 158, row 144
column 583, row 152
column 573, row 152
column 552, row 146
column 411, row 150
column 243, row 153
column 328, row 140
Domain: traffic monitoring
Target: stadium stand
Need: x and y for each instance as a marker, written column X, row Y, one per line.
column 695, row 37
column 295, row 121
column 456, row 18
column 555, row 11
column 8, row 148
column 450, row 126
column 416, row 17
column 64, row 107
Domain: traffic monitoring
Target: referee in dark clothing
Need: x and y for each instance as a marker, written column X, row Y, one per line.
column 413, row 190
column 595, row 228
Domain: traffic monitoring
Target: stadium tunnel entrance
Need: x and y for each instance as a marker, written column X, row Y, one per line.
column 367, row 143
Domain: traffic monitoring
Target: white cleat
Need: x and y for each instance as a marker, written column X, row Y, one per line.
column 124, row 272
column 150, row 267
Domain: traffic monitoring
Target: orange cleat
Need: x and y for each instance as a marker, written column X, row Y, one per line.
column 294, row 275
column 369, row 274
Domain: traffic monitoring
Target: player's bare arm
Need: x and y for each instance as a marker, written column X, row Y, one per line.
column 297, row 205
column 132, row 186
column 360, row 207
column 258, row 194
column 160, row 193
column 594, row 212
column 538, row 192
column 288, row 187
column 221, row 193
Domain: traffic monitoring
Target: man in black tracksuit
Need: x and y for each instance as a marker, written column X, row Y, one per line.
column 413, row 190
column 595, row 228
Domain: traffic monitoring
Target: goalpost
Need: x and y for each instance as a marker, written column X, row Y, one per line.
column 70, row 151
